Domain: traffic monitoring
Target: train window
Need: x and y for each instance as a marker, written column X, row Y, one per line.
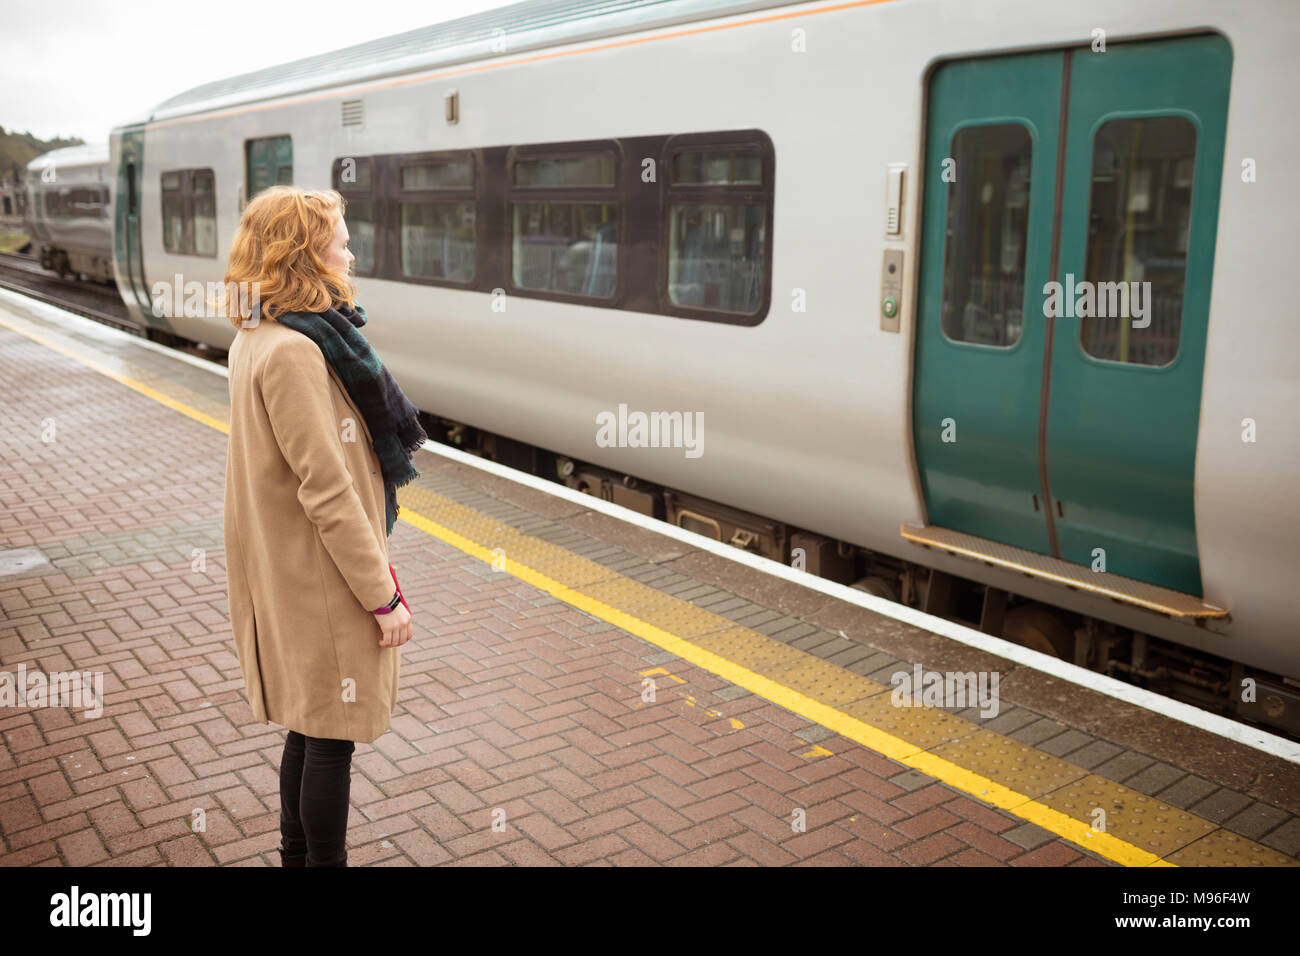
column 1138, row 225
column 268, row 162
column 437, row 213
column 438, row 174
column 189, row 212
column 173, row 212
column 564, row 222
column 715, row 256
column 565, row 247
column 585, row 169
column 204, row 192
column 988, row 221
column 717, row 229
column 437, row 240
column 732, row 167
column 354, row 178
column 354, row 175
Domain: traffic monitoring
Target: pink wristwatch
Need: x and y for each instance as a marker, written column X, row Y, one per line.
column 391, row 605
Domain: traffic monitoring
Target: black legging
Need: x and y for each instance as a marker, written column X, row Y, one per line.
column 315, row 781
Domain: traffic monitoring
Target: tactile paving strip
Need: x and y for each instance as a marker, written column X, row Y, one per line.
column 926, row 727
column 756, row 652
column 1225, row 848
column 1131, row 816
column 824, row 681
column 1010, row 762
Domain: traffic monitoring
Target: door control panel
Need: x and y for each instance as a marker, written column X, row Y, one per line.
column 891, row 290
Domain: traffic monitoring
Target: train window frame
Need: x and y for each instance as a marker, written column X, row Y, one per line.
column 372, row 194
column 390, row 173
column 611, row 194
column 1032, row 138
column 1102, row 123
column 761, row 194
column 186, row 190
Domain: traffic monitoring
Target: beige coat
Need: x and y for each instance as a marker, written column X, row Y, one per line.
column 306, row 553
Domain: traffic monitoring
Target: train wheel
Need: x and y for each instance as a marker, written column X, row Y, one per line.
column 1040, row 629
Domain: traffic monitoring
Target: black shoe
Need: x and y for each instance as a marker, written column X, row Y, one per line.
column 340, row 861
column 299, row 859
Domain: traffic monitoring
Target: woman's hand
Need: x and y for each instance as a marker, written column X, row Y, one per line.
column 396, row 627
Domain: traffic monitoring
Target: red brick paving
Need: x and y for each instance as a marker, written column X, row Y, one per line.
column 503, row 705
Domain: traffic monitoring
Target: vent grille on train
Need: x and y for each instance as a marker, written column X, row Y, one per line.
column 352, row 113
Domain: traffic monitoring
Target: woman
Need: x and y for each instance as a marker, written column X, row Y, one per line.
column 320, row 439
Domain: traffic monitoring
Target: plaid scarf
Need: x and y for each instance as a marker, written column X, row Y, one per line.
column 390, row 416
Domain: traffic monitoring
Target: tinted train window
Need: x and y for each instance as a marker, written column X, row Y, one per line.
column 717, row 229
column 437, row 210
column 564, row 223
column 354, row 178
column 173, row 212
column 189, row 212
column 988, row 220
column 595, row 169
column 549, row 220
column 1138, row 223
column 205, row 212
column 268, row 162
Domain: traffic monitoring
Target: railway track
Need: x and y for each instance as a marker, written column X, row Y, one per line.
column 23, row 274
column 100, row 303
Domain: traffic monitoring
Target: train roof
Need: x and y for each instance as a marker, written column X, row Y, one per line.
column 91, row 154
column 525, row 26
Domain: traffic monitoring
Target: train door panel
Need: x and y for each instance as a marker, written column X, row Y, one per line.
column 990, row 173
column 127, row 248
column 1092, row 462
column 1144, row 160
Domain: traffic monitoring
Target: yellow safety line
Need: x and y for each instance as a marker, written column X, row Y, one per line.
column 886, row 744
column 140, row 387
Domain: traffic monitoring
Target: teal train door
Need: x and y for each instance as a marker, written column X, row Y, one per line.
column 990, row 173
column 269, row 163
column 1144, row 159
column 1067, row 247
column 127, row 249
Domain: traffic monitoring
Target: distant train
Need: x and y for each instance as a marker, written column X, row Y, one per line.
column 69, row 211
column 983, row 307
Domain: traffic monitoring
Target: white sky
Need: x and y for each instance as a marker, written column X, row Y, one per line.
column 81, row 67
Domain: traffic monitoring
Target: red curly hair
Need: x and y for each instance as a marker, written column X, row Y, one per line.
column 279, row 250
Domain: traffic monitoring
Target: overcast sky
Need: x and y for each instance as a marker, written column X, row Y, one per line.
column 81, row 67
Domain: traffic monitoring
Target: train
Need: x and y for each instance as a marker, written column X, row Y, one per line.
column 69, row 206
column 984, row 308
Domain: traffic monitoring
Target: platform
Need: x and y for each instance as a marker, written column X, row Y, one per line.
column 771, row 736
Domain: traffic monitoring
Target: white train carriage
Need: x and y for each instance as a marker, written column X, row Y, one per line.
column 69, row 211
column 831, row 232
